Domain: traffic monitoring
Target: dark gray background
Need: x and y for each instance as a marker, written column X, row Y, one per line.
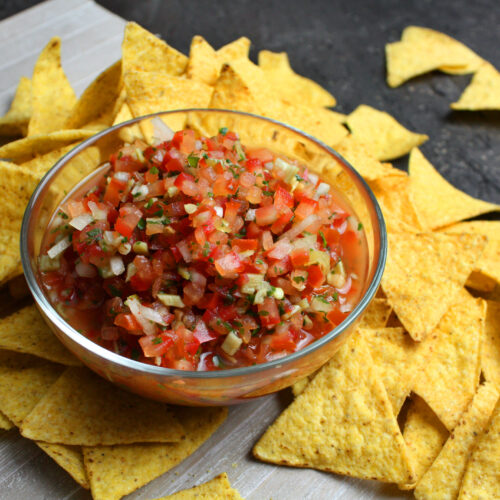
column 340, row 44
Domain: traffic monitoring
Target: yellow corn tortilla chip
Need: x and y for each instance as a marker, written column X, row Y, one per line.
column 393, row 353
column 482, row 475
column 15, row 121
column 132, row 132
column 149, row 92
column 342, row 423
column 218, row 487
column 436, row 200
column 43, row 163
column 393, row 193
column 26, row 149
column 490, row 354
column 115, row 471
column 97, row 102
column 143, row 51
column 425, row 273
column 5, row 423
column 449, row 360
column 291, row 86
column 359, row 156
column 70, row 458
column 442, row 480
column 387, row 138
column 204, row 64
column 424, row 435
column 53, row 96
column 422, row 50
column 26, row 331
column 84, row 409
column 483, row 92
column 237, row 49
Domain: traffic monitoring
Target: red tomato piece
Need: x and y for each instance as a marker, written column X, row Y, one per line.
column 315, row 277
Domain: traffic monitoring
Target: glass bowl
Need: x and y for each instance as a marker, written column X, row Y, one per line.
column 196, row 387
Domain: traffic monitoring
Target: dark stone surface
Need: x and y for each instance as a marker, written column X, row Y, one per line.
column 340, row 44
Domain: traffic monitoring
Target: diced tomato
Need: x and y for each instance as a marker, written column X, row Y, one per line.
column 184, row 140
column 127, row 321
column 202, row 333
column 144, row 276
column 262, row 154
column 185, row 182
column 265, row 216
column 245, row 244
column 315, row 277
column 172, row 161
column 153, row 346
column 283, row 198
column 230, row 265
column 282, row 339
column 268, row 313
column 299, row 257
column 335, row 316
column 306, row 207
column 282, row 221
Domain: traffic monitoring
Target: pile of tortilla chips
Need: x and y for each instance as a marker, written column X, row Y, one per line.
column 411, row 398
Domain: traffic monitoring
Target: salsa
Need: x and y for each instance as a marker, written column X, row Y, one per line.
column 201, row 254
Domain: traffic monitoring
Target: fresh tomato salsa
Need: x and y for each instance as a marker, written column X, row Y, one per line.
column 201, row 254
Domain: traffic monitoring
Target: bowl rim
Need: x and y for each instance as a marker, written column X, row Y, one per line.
column 51, row 313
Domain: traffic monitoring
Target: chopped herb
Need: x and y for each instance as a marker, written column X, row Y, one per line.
column 267, row 193
column 325, row 244
column 141, row 224
column 153, row 170
column 223, row 130
column 156, row 340
column 259, row 261
column 193, row 161
column 114, row 291
column 360, row 226
column 158, row 213
column 299, row 279
column 335, row 296
column 263, row 313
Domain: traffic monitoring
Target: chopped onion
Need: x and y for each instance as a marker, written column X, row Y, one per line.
column 144, row 315
column 161, row 132
column 122, row 176
column 112, row 238
column 81, row 222
column 321, row 190
column 97, row 212
column 347, row 307
column 312, row 178
column 219, row 211
column 85, row 270
column 59, row 248
column 184, row 250
column 140, row 192
column 250, row 215
column 292, row 233
column 280, row 249
column 346, row 287
column 117, row 266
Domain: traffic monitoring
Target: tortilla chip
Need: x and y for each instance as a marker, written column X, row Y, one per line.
column 422, row 50
column 341, row 423
column 384, row 135
column 490, row 355
column 204, row 64
column 153, row 91
column 53, row 96
column 115, row 471
column 84, row 409
column 436, row 200
column 15, row 121
column 237, row 49
column 218, row 487
column 132, row 132
column 482, row 475
column 424, row 435
column 449, row 367
column 97, row 102
column 143, row 51
column 442, row 480
column 43, row 163
column 483, row 92
column 289, row 85
column 5, row 423
column 424, row 274
column 393, row 352
column 26, row 331
column 26, row 149
column 393, row 193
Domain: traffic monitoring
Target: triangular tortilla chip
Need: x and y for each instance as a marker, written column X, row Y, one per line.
column 43, row 163
column 393, row 193
column 442, row 480
column 115, row 471
column 204, row 64
column 218, row 487
column 449, row 366
column 342, row 423
column 143, row 51
column 424, row 436
column 236, row 49
column 483, row 91
column 289, row 85
column 424, row 274
column 132, row 132
column 490, row 355
column 482, row 475
column 393, row 353
column 437, row 201
column 15, row 121
column 53, row 96
column 5, row 423
column 422, row 50
column 387, row 138
column 26, row 331
column 97, row 102
column 84, row 409
column 28, row 148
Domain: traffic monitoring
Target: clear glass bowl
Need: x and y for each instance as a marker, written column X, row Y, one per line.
column 190, row 387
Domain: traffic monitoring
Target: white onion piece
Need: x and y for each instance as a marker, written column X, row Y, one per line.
column 312, row 177
column 85, row 270
column 344, row 308
column 140, row 192
column 59, row 248
column 161, row 132
column 321, row 190
column 219, row 211
column 292, row 233
column 111, row 239
column 140, row 313
column 250, row 215
column 97, row 213
column 280, row 249
column 81, row 222
column 116, row 264
column 122, row 176
column 346, row 287
column 184, row 250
